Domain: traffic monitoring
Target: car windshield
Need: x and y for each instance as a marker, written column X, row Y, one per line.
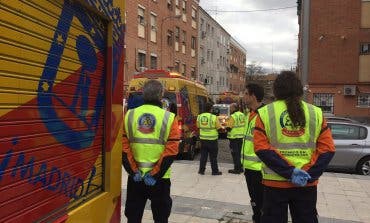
column 222, row 110
column 135, row 99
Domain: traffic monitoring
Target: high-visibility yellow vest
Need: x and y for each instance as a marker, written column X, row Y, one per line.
column 148, row 128
column 249, row 159
column 237, row 132
column 207, row 126
column 296, row 145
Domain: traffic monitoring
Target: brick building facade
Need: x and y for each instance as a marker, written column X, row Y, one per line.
column 334, row 55
column 237, row 70
column 161, row 35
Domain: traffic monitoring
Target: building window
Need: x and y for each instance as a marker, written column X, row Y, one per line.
column 183, row 37
column 169, row 4
column 177, row 38
column 184, row 7
column 193, row 42
column 365, row 48
column 177, row 66
column 193, row 46
column 141, row 59
column 177, row 9
column 169, row 37
column 153, row 30
column 141, row 22
column 363, row 100
column 192, row 73
column 183, row 69
column 194, row 17
column 153, row 62
column 365, row 14
column 325, row 102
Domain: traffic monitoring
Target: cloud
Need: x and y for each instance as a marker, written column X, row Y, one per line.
column 267, row 36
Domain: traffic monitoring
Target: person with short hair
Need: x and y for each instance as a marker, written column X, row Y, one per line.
column 294, row 143
column 235, row 134
column 150, row 144
column 208, row 125
column 253, row 97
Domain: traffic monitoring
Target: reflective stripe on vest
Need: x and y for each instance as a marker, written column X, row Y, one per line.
column 207, row 131
column 145, row 164
column 237, row 131
column 298, row 153
column 249, row 158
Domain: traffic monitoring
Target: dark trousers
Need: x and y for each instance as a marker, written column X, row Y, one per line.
column 301, row 201
column 137, row 195
column 208, row 147
column 236, row 148
column 255, row 189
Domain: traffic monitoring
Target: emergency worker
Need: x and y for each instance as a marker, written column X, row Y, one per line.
column 208, row 125
column 150, row 144
column 293, row 141
column 253, row 97
column 235, row 134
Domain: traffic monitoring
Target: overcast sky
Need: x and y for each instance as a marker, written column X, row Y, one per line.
column 266, row 35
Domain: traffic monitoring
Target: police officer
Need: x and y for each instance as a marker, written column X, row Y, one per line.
column 253, row 97
column 293, row 141
column 150, row 144
column 235, row 134
column 208, row 125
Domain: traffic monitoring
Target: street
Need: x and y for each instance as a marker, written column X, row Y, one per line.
column 224, row 154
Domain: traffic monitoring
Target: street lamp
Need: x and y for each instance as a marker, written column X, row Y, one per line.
column 162, row 21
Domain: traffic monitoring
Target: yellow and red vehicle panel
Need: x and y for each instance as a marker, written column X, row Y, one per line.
column 61, row 72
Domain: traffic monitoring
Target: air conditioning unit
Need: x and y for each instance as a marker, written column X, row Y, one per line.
column 349, row 90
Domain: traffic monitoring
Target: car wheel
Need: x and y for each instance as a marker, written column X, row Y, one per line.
column 191, row 152
column 363, row 166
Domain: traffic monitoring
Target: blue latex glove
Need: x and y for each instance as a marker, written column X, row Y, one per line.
column 137, row 177
column 149, row 180
column 300, row 177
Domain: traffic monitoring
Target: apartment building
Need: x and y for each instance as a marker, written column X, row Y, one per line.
column 161, row 35
column 334, row 55
column 213, row 62
column 237, row 70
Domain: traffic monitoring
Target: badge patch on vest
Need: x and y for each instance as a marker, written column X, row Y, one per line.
column 146, row 123
column 287, row 126
column 204, row 120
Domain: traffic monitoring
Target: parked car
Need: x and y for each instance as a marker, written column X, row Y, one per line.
column 352, row 143
column 340, row 119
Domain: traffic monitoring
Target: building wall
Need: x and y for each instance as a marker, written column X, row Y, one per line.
column 335, row 36
column 213, row 60
column 165, row 20
column 237, row 70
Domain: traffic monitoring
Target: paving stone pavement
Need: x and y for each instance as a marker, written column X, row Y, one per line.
column 342, row 198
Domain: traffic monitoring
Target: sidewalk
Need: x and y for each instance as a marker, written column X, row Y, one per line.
column 205, row 198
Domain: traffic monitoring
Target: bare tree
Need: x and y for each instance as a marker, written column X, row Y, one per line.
column 255, row 68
